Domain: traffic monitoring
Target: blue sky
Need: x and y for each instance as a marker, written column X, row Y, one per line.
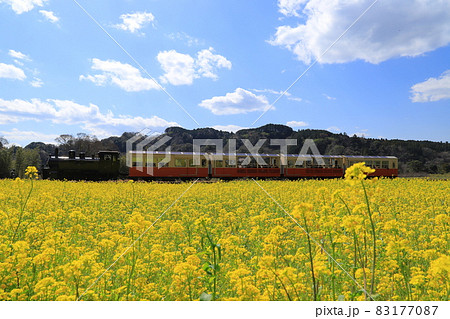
column 222, row 64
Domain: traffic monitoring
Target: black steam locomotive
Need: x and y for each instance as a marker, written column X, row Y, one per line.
column 103, row 166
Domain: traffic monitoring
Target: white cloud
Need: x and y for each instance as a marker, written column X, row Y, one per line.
column 290, row 7
column 120, row 74
column 182, row 69
column 37, row 83
column 19, row 55
column 133, row 22
column 389, row 29
column 334, row 129
column 207, row 62
column 433, row 89
column 70, row 113
column 238, row 102
column 229, row 128
column 9, row 71
column 189, row 40
column 270, row 91
column 19, row 63
column 275, row 92
column 296, row 99
column 329, row 97
column 49, row 15
column 178, row 67
column 297, row 124
column 361, row 134
column 28, row 136
column 21, row 6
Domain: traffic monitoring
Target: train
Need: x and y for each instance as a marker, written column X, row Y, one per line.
column 159, row 165
column 104, row 165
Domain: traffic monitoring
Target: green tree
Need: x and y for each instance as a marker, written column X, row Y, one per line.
column 5, row 162
column 32, row 158
column 19, row 163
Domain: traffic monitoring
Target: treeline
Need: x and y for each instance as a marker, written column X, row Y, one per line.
column 415, row 157
column 14, row 160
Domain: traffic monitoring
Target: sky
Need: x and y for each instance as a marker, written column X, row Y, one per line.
column 379, row 69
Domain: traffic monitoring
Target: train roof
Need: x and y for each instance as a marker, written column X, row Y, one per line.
column 258, row 154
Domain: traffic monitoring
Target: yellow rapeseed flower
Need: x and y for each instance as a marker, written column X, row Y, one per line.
column 31, row 172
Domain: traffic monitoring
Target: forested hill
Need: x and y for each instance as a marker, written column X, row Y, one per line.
column 414, row 156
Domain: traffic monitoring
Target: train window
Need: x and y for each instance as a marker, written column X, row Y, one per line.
column 393, row 164
column 384, row 164
column 265, row 164
column 230, row 163
column 180, row 162
column 240, row 160
column 290, row 163
column 273, row 162
column 160, row 163
column 377, row 164
column 163, row 164
column 369, row 163
column 203, row 162
column 252, row 163
column 219, row 163
column 191, row 163
column 134, row 164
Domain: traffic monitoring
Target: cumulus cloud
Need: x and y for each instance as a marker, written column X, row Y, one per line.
column 207, row 62
column 229, row 128
column 433, row 89
column 133, row 22
column 389, row 29
column 68, row 112
column 21, row 6
column 119, row 74
column 9, row 71
column 238, row 102
column 182, row 69
column 297, row 124
column 28, row 136
column 49, row 15
column 178, row 67
column 290, row 7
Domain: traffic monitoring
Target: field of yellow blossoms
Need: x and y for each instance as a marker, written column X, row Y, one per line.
column 384, row 239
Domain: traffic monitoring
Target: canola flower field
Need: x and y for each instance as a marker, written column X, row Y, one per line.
column 384, row 239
